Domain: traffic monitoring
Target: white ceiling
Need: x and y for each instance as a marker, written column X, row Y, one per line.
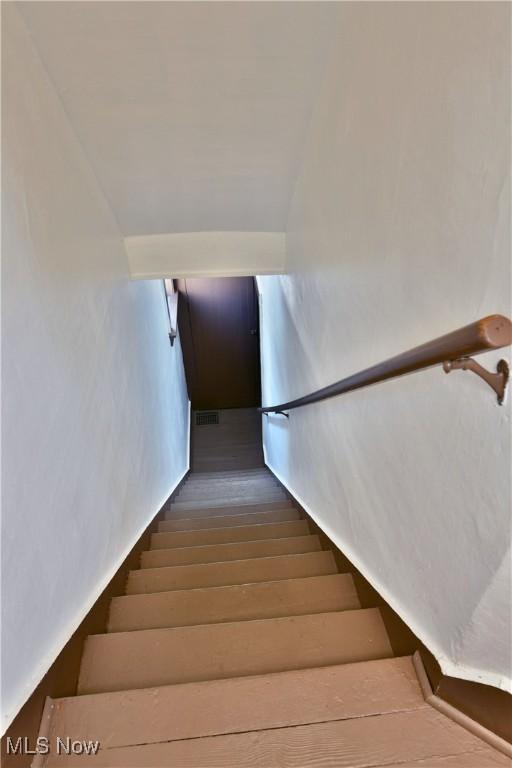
column 193, row 114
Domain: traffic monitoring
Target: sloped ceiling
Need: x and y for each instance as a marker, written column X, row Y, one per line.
column 192, row 114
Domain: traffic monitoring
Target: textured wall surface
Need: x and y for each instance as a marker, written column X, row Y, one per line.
column 95, row 408
column 398, row 233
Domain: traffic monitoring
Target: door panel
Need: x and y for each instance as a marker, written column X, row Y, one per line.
column 219, row 330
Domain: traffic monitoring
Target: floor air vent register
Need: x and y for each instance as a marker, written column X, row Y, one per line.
column 206, row 418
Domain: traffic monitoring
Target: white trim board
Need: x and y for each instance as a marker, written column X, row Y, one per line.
column 206, row 254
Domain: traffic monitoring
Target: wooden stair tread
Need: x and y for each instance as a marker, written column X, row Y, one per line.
column 234, row 474
column 213, row 707
column 238, row 643
column 225, row 535
column 226, row 488
column 261, row 492
column 216, row 482
column 228, row 482
column 255, row 497
column 251, row 518
column 241, row 456
column 263, row 600
column 232, row 463
column 230, row 487
column 246, row 571
column 239, row 550
column 399, row 738
column 153, row 657
column 230, row 509
column 233, row 481
column 486, row 757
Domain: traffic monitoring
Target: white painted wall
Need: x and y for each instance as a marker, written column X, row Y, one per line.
column 95, row 409
column 398, row 233
column 206, row 254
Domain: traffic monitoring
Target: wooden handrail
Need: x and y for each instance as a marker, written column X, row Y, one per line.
column 492, row 332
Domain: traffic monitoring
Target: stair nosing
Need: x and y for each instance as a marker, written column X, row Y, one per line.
column 229, row 543
column 220, row 517
column 230, row 527
column 231, row 586
column 242, row 560
column 228, row 623
column 276, row 508
column 243, row 677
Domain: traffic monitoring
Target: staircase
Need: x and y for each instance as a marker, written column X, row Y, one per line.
column 238, row 643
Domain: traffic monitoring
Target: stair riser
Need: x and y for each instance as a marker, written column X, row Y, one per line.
column 216, row 553
column 236, row 572
column 267, row 600
column 228, row 501
column 204, row 523
column 227, row 492
column 203, row 482
column 235, row 478
column 226, row 535
column 240, row 474
column 225, row 499
column 179, row 511
column 242, row 458
column 126, row 660
column 215, row 486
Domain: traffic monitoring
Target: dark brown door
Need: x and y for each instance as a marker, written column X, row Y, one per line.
column 219, row 330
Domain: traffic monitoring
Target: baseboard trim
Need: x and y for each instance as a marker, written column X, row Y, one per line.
column 454, row 714
column 189, row 440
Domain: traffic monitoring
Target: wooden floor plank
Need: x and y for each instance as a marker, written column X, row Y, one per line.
column 481, row 758
column 240, row 704
column 364, row 742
